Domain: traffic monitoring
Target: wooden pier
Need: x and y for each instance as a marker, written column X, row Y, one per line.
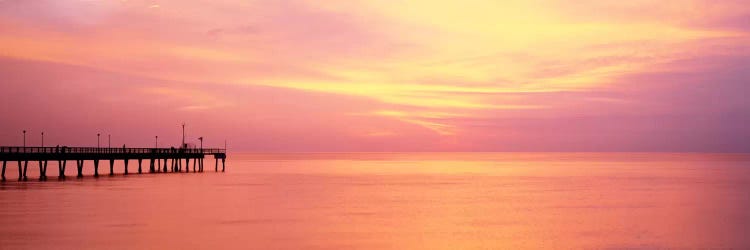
column 160, row 160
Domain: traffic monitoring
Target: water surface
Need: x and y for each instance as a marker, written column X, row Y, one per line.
column 392, row 201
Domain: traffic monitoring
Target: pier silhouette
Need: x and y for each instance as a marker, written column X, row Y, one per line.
column 160, row 160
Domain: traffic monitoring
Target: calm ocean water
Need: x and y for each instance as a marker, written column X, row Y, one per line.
column 392, row 201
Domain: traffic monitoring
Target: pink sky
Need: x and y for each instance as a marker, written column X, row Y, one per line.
column 357, row 75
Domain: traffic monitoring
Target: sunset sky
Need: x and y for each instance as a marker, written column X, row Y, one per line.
column 375, row 75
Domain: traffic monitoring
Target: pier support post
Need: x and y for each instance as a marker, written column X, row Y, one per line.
column 126, row 166
column 79, row 165
column 42, row 170
column 151, row 165
column 165, row 166
column 216, row 168
column 96, row 168
column 61, row 168
column 139, row 166
column 25, row 167
column 20, row 171
column 45, row 170
column 222, row 164
column 195, row 162
column 4, row 162
column 187, row 165
column 111, row 167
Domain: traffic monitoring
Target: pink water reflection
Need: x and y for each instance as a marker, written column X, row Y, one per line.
column 402, row 201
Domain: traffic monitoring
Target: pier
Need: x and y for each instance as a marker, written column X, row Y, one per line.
column 159, row 160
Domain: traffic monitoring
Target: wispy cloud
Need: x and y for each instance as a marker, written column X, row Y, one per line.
column 449, row 71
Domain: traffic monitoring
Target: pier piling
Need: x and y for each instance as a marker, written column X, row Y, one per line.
column 61, row 168
column 126, row 166
column 42, row 170
column 44, row 173
column 79, row 166
column 96, row 168
column 111, row 167
column 20, row 175
column 25, row 167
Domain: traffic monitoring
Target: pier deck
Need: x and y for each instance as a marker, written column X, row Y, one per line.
column 158, row 158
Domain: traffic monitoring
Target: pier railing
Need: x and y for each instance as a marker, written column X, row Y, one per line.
column 100, row 150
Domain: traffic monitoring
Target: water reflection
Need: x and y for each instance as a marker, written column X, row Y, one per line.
column 404, row 201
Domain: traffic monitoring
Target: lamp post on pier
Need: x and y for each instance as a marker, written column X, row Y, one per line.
column 97, row 139
column 183, row 136
column 156, row 144
column 42, row 139
column 109, row 140
column 201, row 139
column 24, row 138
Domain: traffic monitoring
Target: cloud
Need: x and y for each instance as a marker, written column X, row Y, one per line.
column 81, row 101
column 373, row 75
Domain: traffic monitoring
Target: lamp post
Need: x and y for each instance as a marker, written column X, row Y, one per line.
column 42, row 139
column 24, row 138
column 183, row 136
column 156, row 143
column 109, row 140
column 97, row 139
column 201, row 139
